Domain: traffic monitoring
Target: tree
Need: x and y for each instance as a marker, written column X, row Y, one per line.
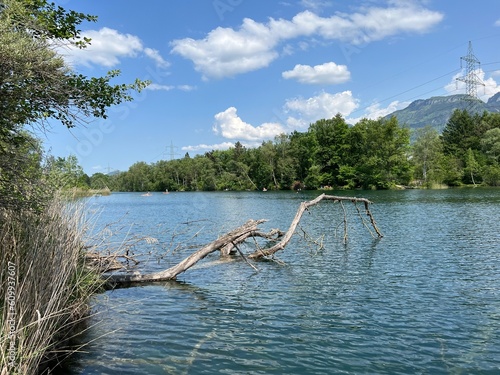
column 37, row 234
column 332, row 147
column 379, row 153
column 37, row 85
column 301, row 149
column 35, row 82
column 20, row 166
column 101, row 181
column 490, row 144
column 471, row 165
column 426, row 155
column 65, row 173
column 463, row 131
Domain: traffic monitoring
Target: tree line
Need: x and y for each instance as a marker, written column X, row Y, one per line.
column 372, row 154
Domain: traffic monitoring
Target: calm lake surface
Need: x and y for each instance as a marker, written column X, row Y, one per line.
column 425, row 299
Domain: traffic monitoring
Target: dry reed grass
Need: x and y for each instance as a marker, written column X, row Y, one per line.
column 44, row 285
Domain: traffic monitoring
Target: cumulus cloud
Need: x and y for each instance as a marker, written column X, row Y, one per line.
column 485, row 92
column 322, row 106
column 302, row 112
column 107, row 47
column 231, row 126
column 325, row 74
column 226, row 52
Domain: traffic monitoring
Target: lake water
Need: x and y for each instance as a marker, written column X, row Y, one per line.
column 424, row 299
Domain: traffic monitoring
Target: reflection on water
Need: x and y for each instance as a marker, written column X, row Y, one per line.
column 424, row 299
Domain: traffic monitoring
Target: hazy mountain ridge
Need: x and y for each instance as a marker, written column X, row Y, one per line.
column 437, row 110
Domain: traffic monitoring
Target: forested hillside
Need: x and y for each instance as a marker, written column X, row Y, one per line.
column 436, row 111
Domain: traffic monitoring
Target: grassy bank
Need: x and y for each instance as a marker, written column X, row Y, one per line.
column 44, row 285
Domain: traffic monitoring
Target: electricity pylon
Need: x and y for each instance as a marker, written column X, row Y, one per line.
column 471, row 79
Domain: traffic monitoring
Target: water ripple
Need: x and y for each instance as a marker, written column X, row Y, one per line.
column 423, row 300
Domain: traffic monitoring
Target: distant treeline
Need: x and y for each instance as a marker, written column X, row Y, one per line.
column 373, row 154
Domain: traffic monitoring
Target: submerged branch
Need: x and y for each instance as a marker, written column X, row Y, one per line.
column 228, row 242
column 302, row 208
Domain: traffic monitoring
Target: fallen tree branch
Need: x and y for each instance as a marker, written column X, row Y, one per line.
column 230, row 240
column 304, row 206
column 272, row 235
column 171, row 273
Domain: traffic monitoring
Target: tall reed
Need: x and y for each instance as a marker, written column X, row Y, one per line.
column 44, row 285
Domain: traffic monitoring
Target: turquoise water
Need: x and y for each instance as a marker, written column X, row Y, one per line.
column 425, row 299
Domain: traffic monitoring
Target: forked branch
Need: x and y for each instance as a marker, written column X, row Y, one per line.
column 302, row 208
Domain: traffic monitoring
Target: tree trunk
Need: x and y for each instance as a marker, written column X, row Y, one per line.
column 172, row 272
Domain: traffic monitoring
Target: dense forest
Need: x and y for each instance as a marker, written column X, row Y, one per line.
column 372, row 154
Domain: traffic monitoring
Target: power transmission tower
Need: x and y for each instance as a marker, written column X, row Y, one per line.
column 172, row 150
column 471, row 79
column 109, row 169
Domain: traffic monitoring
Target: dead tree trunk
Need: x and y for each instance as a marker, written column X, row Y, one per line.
column 230, row 240
column 172, row 272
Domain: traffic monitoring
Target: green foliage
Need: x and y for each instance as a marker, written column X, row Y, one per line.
column 21, row 184
column 471, row 144
column 427, row 152
column 64, row 173
column 371, row 154
column 35, row 83
column 490, row 144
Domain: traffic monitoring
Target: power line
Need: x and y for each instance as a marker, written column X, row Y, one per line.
column 411, row 89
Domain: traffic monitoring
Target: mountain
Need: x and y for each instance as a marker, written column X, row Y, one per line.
column 437, row 110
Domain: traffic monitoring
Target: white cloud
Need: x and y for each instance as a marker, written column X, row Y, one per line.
column 158, row 87
column 325, row 74
column 322, row 106
column 205, row 147
column 374, row 111
column 156, row 57
column 497, row 22
column 315, row 4
column 230, row 126
column 107, row 47
column 186, row 87
column 485, row 92
column 226, row 52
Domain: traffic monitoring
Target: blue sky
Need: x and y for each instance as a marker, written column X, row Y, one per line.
column 224, row 71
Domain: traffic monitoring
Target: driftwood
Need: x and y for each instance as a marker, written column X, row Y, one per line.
column 228, row 243
column 172, row 272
